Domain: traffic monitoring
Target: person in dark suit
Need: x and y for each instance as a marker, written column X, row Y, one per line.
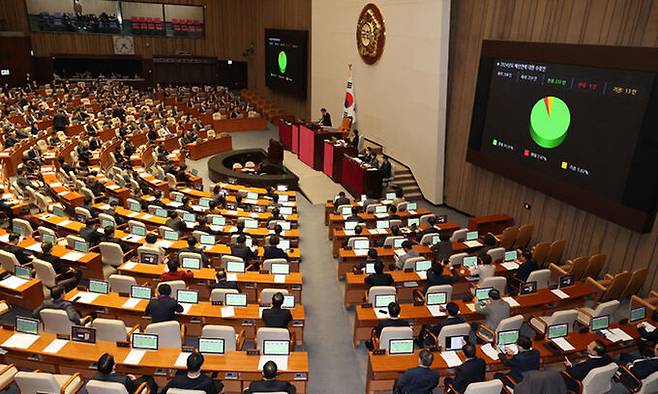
column 276, row 316
column 88, row 206
column 386, row 168
column 596, row 357
column 373, row 258
column 453, row 318
column 392, row 213
column 89, row 232
column 59, row 303
column 13, row 248
column 164, row 307
column 106, row 372
column 646, row 334
column 440, row 274
column 527, row 265
column 113, row 212
column 68, row 277
column 222, row 282
column 174, row 222
column 430, row 230
column 419, row 380
column 193, row 379
column 108, row 236
column 341, row 200
column 202, row 225
column 379, row 278
column 472, row 370
column 242, row 250
column 354, row 217
column 642, row 367
column 442, row 249
column 356, row 139
column 191, row 248
column 490, row 242
column 392, row 321
column 60, row 121
column 270, row 384
column 326, row 118
column 273, row 251
column 526, row 360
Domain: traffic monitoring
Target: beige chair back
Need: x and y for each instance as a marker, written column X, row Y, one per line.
column 56, row 321
column 227, row 333
column 121, row 283
column 271, row 334
column 389, row 333
column 112, row 330
column 265, row 296
column 168, row 332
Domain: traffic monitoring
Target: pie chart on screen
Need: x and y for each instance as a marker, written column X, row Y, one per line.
column 549, row 122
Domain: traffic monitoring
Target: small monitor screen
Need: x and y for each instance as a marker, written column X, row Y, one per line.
column 285, row 211
column 99, row 286
column 161, row 212
column 249, row 242
column 191, row 263
column 149, row 258
column 361, row 244
column 472, row 236
column 170, row 235
column 600, row 323
column 218, row 221
column 363, row 197
column 397, row 243
column 187, row 296
column 276, row 348
column 637, row 314
column 382, row 224
column 390, row 196
column 80, row 246
column 140, row 292
column 350, row 225
column 211, row 345
column 281, row 188
column 401, row 346
column 284, row 244
column 48, row 238
column 456, row 342
column 252, row 196
column 107, row 223
column 235, row 266
column 483, row 293
column 528, row 288
column 436, row 298
column 288, row 302
column 280, row 269
column 566, row 281
column 441, row 219
column 413, row 222
column 235, row 299
column 510, row 256
column 27, row 326
column 189, row 217
column 380, row 209
column 83, row 334
column 411, row 206
column 135, row 206
column 58, row 210
column 557, row 331
column 145, row 341
column 138, row 230
column 423, row 265
column 204, row 202
column 285, row 226
column 508, row 337
column 470, row 261
column 346, row 211
column 22, row 272
column 370, row 268
column 178, row 197
column 283, row 198
column 382, row 301
column 435, row 239
column 251, row 223
column 207, row 239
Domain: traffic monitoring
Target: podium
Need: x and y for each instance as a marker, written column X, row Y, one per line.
column 333, row 159
column 285, row 134
column 358, row 180
column 311, row 144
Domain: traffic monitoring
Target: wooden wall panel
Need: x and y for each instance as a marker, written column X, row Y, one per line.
column 478, row 191
column 231, row 27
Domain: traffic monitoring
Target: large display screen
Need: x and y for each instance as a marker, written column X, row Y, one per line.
column 561, row 120
column 286, row 61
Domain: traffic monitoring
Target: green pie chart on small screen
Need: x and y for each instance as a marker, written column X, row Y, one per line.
column 549, row 122
column 283, row 62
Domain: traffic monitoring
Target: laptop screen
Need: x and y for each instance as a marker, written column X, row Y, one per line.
column 178, row 197
column 218, row 221
column 361, row 244
column 285, row 226
column 58, row 210
column 288, row 302
column 566, row 280
column 400, row 346
column 235, row 299
column 284, row 244
column 346, row 211
column 27, row 326
column 148, row 258
column 510, row 256
column 189, row 217
column 283, row 198
column 22, row 272
column 276, row 348
column 397, row 243
column 107, row 223
column 435, row 239
column 170, row 235
column 439, row 298
column 161, row 212
column 252, row 196
column 211, row 345
column 145, row 341
column 508, row 337
column 140, row 292
column 483, row 293
column 235, row 266
column 423, row 265
column 80, row 246
column 557, row 331
column 48, row 238
column 370, row 268
column 187, row 296
column 528, row 288
column 135, row 206
column 380, row 209
column 251, row 223
column 390, row 196
column 411, row 206
column 637, row 314
column 350, row 225
column 191, row 263
column 382, row 224
column 207, row 239
column 99, row 286
column 382, row 301
column 138, row 230
column 470, row 261
column 285, row 211
column 413, row 221
column 280, row 269
column 281, row 188
column 456, row 342
column 600, row 323
column 472, row 236
column 204, row 202
column 83, row 334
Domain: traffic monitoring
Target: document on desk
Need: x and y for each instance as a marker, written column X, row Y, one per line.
column 511, row 301
column 35, row 247
column 113, row 187
column 409, row 284
column 610, row 336
column 175, row 204
column 146, row 216
column 471, row 306
column 228, row 311
column 181, row 361
column 64, row 222
column 131, row 303
column 104, row 207
column 435, row 310
column 422, row 275
column 134, row 356
column 381, row 215
column 62, row 194
column 55, row 346
column 472, row 244
column 281, row 362
column 621, row 334
column 12, row 282
column 133, row 238
column 399, row 252
column 360, row 252
column 563, row 344
column 510, row 265
column 381, row 313
column 55, row 184
column 20, row 340
column 4, row 238
column 231, row 212
column 648, row 326
column 279, row 279
column 186, row 308
column 451, row 358
column 132, row 214
column 411, row 212
column 489, row 351
column 349, row 233
column 73, row 256
column 378, row 231
column 164, row 243
column 560, row 293
column 85, row 297
column 128, row 266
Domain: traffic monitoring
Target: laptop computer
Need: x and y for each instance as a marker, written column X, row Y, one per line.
column 144, row 341
column 141, row 292
column 276, row 348
column 235, row 300
column 400, row 346
column 482, row 294
column 211, row 345
column 456, row 342
column 382, row 301
column 99, row 286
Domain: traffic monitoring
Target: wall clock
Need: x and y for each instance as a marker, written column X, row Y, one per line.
column 124, row 45
column 370, row 34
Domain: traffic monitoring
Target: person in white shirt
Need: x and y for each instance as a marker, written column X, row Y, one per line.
column 484, row 269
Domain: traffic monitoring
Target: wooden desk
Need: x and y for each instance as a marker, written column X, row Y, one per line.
column 78, row 357
column 490, row 223
column 29, row 295
column 201, row 149
column 370, row 219
column 67, row 196
column 358, row 180
column 347, row 258
column 384, row 369
column 543, row 301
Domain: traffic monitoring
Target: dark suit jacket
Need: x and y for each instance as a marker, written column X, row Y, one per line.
column 442, row 250
column 270, row 386
column 163, row 309
column 20, row 254
column 418, row 380
column 62, row 305
column 225, row 285
column 386, row 170
column 471, row 371
column 379, row 280
column 204, row 258
column 651, row 336
column 341, row 201
column 91, row 235
column 60, row 121
column 128, row 383
column 203, row 383
column 277, row 317
column 273, row 252
column 389, row 323
column 326, row 120
column 525, row 269
column 643, row 368
column 430, row 230
column 520, row 363
column 244, row 252
column 435, row 279
column 580, row 370
column 446, row 322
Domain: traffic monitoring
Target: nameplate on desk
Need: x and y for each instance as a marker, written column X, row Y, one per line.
column 134, row 356
column 73, row 256
column 128, row 266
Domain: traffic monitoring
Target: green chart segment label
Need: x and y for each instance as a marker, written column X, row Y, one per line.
column 549, row 122
column 283, row 62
